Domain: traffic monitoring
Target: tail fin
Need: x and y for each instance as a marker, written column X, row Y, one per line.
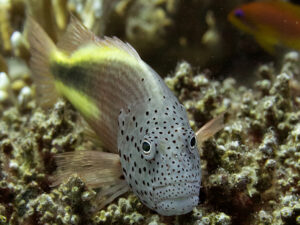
column 41, row 46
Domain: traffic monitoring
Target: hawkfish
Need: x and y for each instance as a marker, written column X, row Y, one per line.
column 151, row 148
column 272, row 23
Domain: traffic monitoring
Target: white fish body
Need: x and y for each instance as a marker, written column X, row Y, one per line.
column 167, row 177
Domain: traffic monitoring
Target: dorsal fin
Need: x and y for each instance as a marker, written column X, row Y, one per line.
column 77, row 35
column 96, row 168
column 117, row 43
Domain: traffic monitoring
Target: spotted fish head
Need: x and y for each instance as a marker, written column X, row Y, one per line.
column 159, row 156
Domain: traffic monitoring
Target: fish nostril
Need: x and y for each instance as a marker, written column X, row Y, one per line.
column 175, row 155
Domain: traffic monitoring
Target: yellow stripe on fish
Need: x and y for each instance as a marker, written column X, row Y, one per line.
column 80, row 101
column 91, row 53
column 95, row 53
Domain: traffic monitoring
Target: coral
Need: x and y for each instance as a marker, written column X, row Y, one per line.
column 126, row 212
column 146, row 23
column 5, row 28
column 4, row 87
column 93, row 13
column 217, row 218
column 61, row 206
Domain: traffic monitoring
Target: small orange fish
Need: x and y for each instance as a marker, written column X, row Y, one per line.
column 272, row 23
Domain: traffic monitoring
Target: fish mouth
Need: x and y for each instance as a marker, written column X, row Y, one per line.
column 177, row 206
column 176, row 190
column 176, row 198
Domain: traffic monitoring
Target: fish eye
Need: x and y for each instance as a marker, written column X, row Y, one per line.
column 146, row 146
column 239, row 13
column 193, row 142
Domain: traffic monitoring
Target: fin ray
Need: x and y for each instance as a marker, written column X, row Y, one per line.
column 75, row 36
column 111, row 193
column 97, row 169
column 78, row 35
column 41, row 47
column 89, row 133
column 210, row 129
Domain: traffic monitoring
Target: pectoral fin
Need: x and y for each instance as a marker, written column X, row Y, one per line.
column 210, row 129
column 95, row 168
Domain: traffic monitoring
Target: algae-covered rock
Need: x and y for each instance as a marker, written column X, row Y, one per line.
column 254, row 159
column 127, row 211
column 64, row 205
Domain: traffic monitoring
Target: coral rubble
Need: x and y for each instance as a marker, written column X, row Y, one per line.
column 254, row 162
